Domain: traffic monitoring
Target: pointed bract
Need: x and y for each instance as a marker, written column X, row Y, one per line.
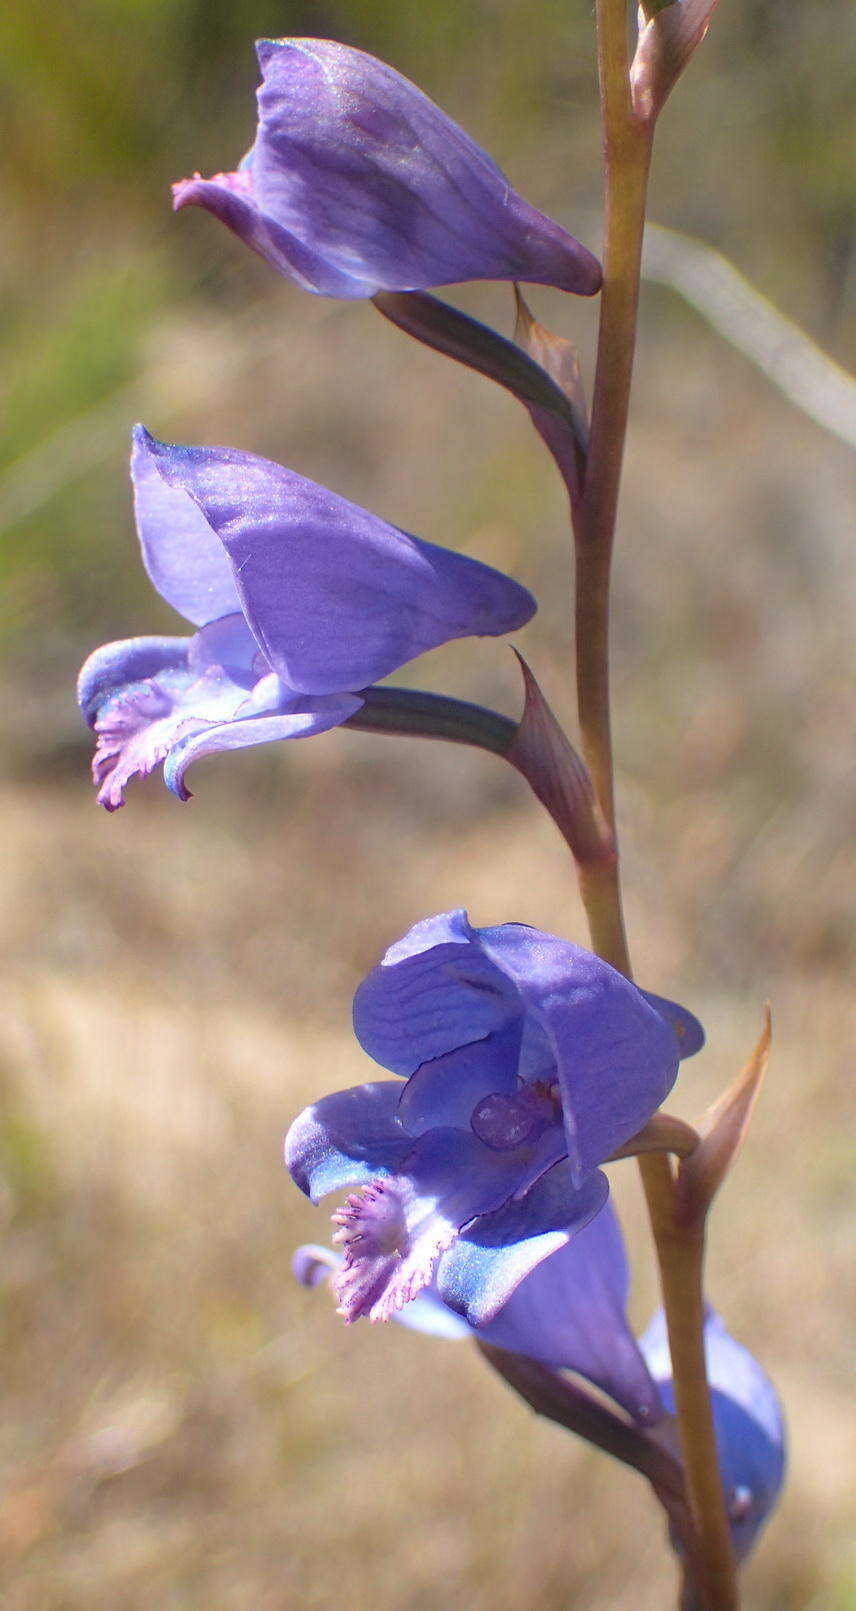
column 542, row 752
column 723, row 1130
column 558, row 358
column 358, row 183
column 666, row 42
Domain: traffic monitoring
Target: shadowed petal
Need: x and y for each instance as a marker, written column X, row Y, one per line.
column 433, row 992
column 336, row 598
column 687, row 1030
column 446, row 1090
column 228, row 644
column 347, row 1138
column 312, row 716
column 357, row 183
column 478, row 1274
column 615, row 1057
column 570, row 1313
column 750, row 1430
column 394, row 1229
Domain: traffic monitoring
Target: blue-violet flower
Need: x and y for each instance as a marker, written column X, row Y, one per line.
column 301, row 600
column 750, row 1428
column 358, row 183
column 528, row 1061
column 568, row 1313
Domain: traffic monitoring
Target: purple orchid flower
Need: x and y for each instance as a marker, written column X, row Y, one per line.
column 568, row 1313
column 750, row 1428
column 527, row 1062
column 358, row 183
column 301, row 600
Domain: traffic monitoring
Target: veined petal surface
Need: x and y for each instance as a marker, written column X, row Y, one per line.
column 584, row 1028
column 358, row 183
column 336, row 597
column 184, row 557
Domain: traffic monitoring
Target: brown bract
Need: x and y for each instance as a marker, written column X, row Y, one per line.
column 666, row 42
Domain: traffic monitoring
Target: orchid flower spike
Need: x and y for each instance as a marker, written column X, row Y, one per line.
column 358, row 183
column 568, row 1313
column 750, row 1427
column 301, row 600
column 527, row 1062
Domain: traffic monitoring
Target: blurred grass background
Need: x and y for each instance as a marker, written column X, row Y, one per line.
column 181, row 1426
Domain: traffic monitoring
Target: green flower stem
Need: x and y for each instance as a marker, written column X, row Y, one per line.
column 410, row 712
column 680, row 1251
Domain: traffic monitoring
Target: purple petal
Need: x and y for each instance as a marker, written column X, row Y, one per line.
column 396, row 1227
column 446, row 985
column 346, row 1139
column 229, row 197
column 357, row 183
column 129, row 660
column 336, row 598
column 139, row 722
column 307, row 717
column 615, row 1057
column 750, row 1430
column 482, row 1269
column 446, row 1090
column 433, row 992
column 229, row 645
column 312, row 1264
column 176, row 699
column 183, row 556
column 570, row 1314
column 686, row 1029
